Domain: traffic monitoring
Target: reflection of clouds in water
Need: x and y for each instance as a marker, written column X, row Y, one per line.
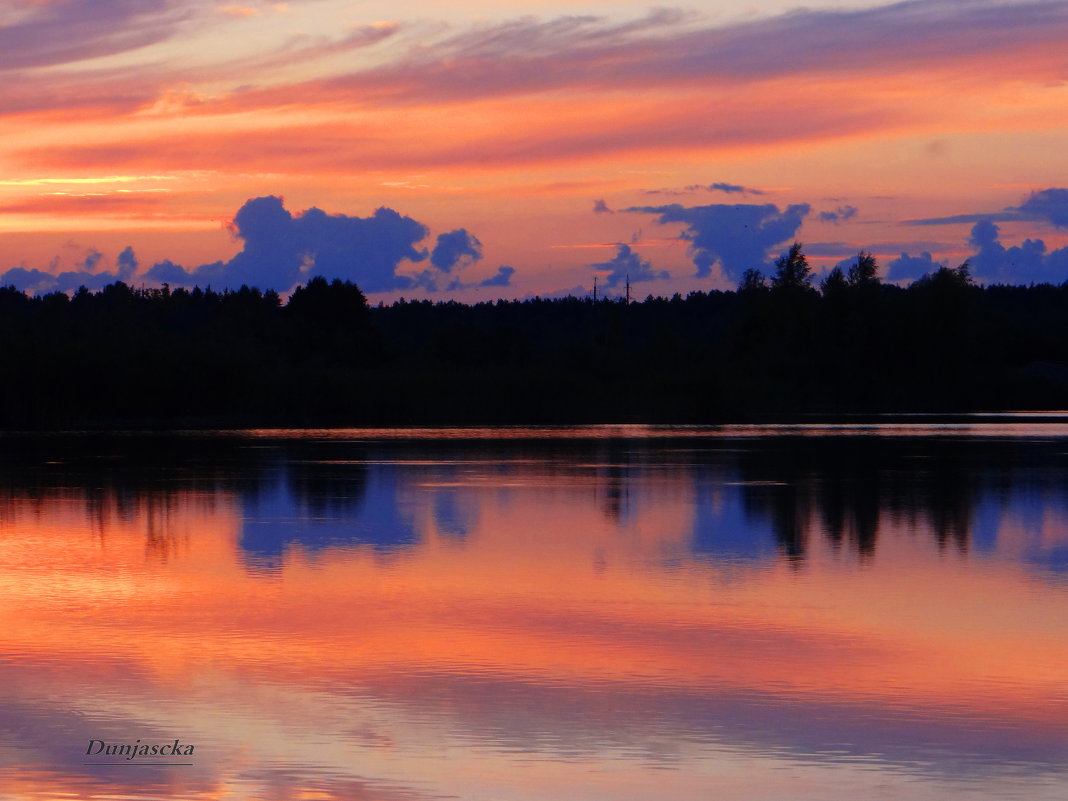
column 1026, row 521
column 452, row 516
column 400, row 725
column 322, row 506
column 777, row 497
column 566, row 630
column 593, row 722
column 723, row 527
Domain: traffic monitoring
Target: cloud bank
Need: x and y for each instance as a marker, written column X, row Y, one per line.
column 992, row 262
column 280, row 250
column 1028, row 262
column 40, row 281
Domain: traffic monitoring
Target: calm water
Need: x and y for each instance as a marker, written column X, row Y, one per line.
column 852, row 612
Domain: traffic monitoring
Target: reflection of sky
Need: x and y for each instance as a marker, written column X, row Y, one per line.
column 370, row 513
column 723, row 528
column 449, row 514
column 1027, row 522
column 562, row 625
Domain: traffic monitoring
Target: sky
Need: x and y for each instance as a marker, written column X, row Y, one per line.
column 475, row 150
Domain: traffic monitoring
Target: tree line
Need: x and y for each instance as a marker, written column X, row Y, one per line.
column 778, row 345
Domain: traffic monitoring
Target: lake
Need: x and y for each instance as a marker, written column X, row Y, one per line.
column 772, row 613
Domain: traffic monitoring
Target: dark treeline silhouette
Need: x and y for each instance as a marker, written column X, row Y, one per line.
column 774, row 347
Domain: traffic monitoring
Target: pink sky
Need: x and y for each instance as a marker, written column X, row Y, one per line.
column 149, row 123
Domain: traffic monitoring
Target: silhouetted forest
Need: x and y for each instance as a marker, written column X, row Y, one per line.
column 777, row 346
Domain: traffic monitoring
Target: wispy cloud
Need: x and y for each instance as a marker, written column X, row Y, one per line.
column 68, row 31
column 957, row 219
column 399, row 142
column 104, row 179
column 717, row 186
column 839, row 215
column 833, row 249
column 530, row 55
column 1046, row 205
column 87, row 203
column 568, row 65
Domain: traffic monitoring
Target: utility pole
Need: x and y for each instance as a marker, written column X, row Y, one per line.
column 628, row 288
column 595, row 289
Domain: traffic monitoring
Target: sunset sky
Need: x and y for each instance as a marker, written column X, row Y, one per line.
column 477, row 149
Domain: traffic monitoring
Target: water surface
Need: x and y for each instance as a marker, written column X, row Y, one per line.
column 804, row 612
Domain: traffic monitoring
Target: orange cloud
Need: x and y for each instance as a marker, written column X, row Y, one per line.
column 81, row 204
column 239, row 11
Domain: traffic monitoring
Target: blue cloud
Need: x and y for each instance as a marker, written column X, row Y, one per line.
column 453, row 247
column 28, row 280
column 628, row 264
column 503, row 277
column 730, row 189
column 956, row 219
column 1048, row 204
column 281, row 250
column 738, row 237
column 909, row 268
column 127, row 264
column 842, row 214
column 718, row 186
column 1025, row 263
column 167, row 272
column 86, row 274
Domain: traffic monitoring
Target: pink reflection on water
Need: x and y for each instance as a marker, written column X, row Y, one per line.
column 564, row 641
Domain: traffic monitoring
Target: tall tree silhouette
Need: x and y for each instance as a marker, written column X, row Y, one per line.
column 752, row 281
column 835, row 283
column 792, row 271
column 865, row 272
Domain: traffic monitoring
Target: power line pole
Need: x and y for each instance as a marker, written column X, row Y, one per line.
column 595, row 289
column 628, row 288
